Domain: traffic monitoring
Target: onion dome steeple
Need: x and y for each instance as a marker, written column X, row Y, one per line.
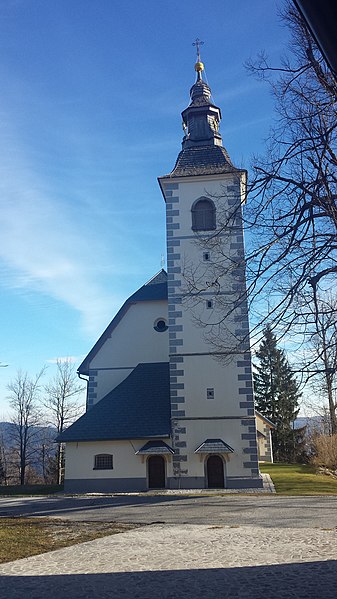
column 201, row 118
column 200, row 89
column 202, row 149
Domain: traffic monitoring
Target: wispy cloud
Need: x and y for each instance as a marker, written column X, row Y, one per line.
column 65, row 359
column 42, row 248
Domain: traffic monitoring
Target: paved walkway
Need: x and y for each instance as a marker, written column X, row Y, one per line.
column 268, row 487
column 188, row 561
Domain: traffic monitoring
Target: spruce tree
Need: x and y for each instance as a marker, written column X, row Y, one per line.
column 277, row 396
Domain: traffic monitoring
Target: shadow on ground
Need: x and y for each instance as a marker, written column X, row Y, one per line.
column 308, row 580
column 49, row 506
column 266, row 512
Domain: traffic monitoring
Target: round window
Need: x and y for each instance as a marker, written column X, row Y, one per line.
column 160, row 325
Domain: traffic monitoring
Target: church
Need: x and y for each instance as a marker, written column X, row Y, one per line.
column 164, row 408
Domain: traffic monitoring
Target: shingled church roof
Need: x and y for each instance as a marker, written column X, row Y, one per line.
column 202, row 160
column 138, row 408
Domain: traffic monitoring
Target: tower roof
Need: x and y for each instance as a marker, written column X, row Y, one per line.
column 202, row 150
column 202, row 160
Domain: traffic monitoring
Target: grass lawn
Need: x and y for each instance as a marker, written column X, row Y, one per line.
column 30, row 489
column 23, row 537
column 299, row 479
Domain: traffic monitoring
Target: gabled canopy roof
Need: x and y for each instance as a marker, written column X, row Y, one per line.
column 214, row 446
column 155, row 289
column 155, row 447
column 138, row 408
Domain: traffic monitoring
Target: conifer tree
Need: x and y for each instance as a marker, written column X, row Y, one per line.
column 277, row 397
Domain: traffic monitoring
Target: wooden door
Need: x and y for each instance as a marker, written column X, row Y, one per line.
column 156, row 472
column 215, row 473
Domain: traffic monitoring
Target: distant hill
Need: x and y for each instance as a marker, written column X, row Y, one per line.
column 42, row 434
column 311, row 422
column 42, row 447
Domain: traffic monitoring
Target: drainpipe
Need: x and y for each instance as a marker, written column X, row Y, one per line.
column 87, row 382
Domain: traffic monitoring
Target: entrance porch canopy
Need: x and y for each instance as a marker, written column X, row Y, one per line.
column 155, row 447
column 214, row 446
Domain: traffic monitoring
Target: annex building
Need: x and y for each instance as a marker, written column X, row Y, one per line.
column 164, row 410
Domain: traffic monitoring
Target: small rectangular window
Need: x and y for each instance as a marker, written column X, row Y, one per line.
column 103, row 461
column 210, row 393
column 209, row 304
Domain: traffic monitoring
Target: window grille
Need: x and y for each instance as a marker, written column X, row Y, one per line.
column 103, row 461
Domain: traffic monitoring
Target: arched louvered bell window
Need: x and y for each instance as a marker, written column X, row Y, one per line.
column 203, row 215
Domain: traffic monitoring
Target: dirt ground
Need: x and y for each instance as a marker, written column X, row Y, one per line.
column 23, row 537
column 83, row 531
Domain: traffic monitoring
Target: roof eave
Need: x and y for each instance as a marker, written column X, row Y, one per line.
column 171, row 176
column 95, row 439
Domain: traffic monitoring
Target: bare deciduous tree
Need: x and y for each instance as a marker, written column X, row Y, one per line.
column 292, row 208
column 291, row 213
column 23, row 400
column 61, row 399
column 321, row 359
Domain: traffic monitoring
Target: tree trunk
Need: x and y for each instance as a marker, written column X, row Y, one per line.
column 59, row 464
column 332, row 409
column 329, row 380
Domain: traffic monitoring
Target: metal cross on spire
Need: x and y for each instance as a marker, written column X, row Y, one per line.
column 197, row 44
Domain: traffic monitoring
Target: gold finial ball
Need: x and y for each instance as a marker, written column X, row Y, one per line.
column 199, row 66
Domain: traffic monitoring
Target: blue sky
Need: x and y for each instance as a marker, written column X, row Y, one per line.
column 91, row 96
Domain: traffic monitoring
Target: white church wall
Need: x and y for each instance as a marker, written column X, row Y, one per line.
column 133, row 341
column 213, row 187
column 203, row 373
column 264, row 439
column 198, row 321
column 80, row 460
column 229, row 431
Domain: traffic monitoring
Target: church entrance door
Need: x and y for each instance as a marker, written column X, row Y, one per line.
column 215, row 472
column 156, row 472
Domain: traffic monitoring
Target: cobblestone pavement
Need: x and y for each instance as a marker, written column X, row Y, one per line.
column 190, row 561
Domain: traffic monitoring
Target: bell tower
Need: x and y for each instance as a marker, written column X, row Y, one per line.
column 211, row 391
